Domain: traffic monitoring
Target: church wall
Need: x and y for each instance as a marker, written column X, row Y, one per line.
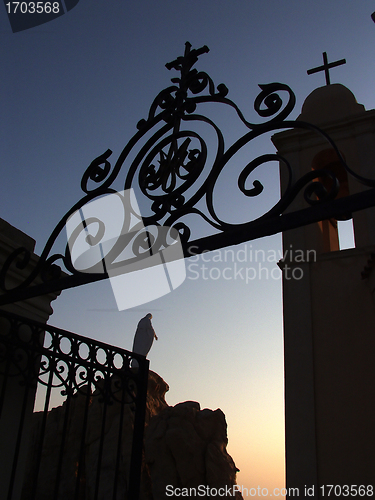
column 343, row 319
column 12, row 389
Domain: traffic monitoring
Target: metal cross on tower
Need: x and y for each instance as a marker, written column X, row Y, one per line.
column 326, row 67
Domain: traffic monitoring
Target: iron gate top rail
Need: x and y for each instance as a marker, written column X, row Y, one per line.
column 61, row 348
column 172, row 160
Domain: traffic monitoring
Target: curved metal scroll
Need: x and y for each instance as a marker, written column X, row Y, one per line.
column 166, row 158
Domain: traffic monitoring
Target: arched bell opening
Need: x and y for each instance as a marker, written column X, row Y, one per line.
column 336, row 234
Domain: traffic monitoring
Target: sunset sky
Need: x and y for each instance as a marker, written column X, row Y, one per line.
column 76, row 86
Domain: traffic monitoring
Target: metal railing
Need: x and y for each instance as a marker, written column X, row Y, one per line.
column 90, row 377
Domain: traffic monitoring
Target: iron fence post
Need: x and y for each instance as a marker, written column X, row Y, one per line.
column 135, row 471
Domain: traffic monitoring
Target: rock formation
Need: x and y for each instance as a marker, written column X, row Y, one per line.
column 185, row 447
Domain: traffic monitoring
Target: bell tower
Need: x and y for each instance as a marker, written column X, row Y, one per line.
column 329, row 313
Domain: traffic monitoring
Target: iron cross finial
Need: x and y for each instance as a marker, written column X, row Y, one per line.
column 326, row 67
column 189, row 58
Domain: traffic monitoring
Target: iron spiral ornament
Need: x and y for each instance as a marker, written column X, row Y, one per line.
column 176, row 172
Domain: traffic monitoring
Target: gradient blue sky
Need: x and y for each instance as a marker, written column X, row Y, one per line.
column 77, row 86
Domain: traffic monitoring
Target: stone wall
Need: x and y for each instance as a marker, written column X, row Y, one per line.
column 184, row 447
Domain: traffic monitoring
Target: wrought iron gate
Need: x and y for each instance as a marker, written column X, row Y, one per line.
column 170, row 162
column 93, row 377
column 167, row 158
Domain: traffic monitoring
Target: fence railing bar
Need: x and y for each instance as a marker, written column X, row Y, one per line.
column 118, row 454
column 52, row 367
column 18, row 442
column 81, row 456
column 4, row 384
column 106, row 392
column 139, row 423
column 63, row 435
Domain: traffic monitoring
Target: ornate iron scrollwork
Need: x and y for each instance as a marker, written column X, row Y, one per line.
column 169, row 158
column 37, row 353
